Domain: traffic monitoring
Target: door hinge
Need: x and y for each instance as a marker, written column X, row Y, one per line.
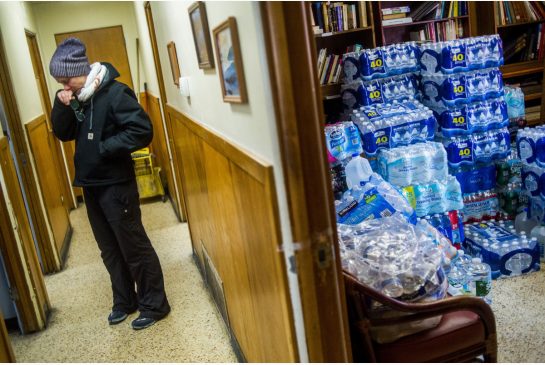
column 323, row 252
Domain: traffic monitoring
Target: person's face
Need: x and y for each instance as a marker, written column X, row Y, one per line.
column 75, row 84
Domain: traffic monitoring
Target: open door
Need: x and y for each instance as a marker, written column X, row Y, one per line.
column 172, row 174
column 292, row 63
column 27, row 287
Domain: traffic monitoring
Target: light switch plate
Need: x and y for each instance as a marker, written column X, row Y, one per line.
column 184, row 86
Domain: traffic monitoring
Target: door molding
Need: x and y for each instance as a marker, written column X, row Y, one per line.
column 292, row 63
column 46, row 106
column 50, row 259
column 177, row 197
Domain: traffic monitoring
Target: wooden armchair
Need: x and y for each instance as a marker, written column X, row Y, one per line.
column 467, row 328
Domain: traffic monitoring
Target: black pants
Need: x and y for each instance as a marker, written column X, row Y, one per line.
column 115, row 217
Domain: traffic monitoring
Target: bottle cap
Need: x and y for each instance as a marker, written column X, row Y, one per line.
column 476, row 260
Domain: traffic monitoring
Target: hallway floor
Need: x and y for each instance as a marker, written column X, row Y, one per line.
column 80, row 295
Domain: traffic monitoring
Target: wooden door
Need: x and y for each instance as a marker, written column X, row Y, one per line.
column 175, row 191
column 104, row 45
column 42, row 143
column 58, row 156
column 17, row 247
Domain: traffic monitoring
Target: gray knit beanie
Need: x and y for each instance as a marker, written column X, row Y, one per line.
column 69, row 60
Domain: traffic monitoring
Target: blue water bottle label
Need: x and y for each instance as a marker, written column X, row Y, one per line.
column 454, row 121
column 526, row 149
column 530, row 182
column 454, row 59
column 539, row 151
column 372, row 93
column 372, row 63
column 460, row 153
column 454, row 90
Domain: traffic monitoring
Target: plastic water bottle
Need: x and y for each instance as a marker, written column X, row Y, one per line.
column 523, row 223
column 462, row 260
column 357, row 170
column 538, row 232
column 480, row 280
column 457, row 279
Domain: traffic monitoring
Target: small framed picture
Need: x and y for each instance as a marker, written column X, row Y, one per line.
column 201, row 34
column 174, row 66
column 229, row 61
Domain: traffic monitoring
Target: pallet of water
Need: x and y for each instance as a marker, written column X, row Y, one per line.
column 499, row 245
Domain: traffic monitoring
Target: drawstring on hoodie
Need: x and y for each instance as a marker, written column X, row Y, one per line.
column 91, row 121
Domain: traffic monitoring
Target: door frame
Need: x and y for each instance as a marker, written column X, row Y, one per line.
column 50, row 256
column 27, row 286
column 176, row 192
column 292, row 61
column 37, row 64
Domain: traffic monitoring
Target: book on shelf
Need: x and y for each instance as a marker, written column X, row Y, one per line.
column 329, row 67
column 395, row 10
column 438, row 32
column 338, row 16
column 513, row 12
column 394, row 16
column 528, row 46
column 424, row 10
column 397, row 21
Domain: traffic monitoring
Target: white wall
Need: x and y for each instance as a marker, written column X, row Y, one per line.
column 68, row 16
column 14, row 19
column 251, row 126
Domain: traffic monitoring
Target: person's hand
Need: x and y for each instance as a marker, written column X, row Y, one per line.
column 65, row 96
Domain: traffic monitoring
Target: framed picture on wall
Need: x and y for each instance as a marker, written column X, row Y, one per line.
column 229, row 61
column 174, row 66
column 201, row 34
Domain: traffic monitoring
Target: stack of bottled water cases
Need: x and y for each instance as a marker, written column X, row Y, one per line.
column 499, row 245
column 462, row 84
column 380, row 75
column 531, row 150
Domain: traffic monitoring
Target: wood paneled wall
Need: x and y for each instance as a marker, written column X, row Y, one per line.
column 231, row 206
column 42, row 143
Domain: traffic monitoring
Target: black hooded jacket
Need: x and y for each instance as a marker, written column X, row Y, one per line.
column 114, row 126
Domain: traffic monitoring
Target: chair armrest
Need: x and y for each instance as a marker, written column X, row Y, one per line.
column 418, row 311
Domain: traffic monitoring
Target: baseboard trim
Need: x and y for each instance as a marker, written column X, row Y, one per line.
column 234, row 343
column 66, row 245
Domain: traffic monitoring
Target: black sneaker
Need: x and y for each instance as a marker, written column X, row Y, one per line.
column 142, row 322
column 117, row 317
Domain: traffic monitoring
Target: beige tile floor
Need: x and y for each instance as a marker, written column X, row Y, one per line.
column 81, row 299
column 193, row 331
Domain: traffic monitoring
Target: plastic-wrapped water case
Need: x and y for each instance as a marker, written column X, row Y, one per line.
column 397, row 130
column 507, row 253
column 461, row 55
column 416, row 164
column 399, row 259
column 463, row 88
column 386, row 61
column 373, row 199
column 483, row 147
column 476, row 117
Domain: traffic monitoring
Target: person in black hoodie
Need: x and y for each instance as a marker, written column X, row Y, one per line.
column 104, row 118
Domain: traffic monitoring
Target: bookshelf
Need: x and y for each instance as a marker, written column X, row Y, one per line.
column 519, row 27
column 336, row 43
column 430, row 20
